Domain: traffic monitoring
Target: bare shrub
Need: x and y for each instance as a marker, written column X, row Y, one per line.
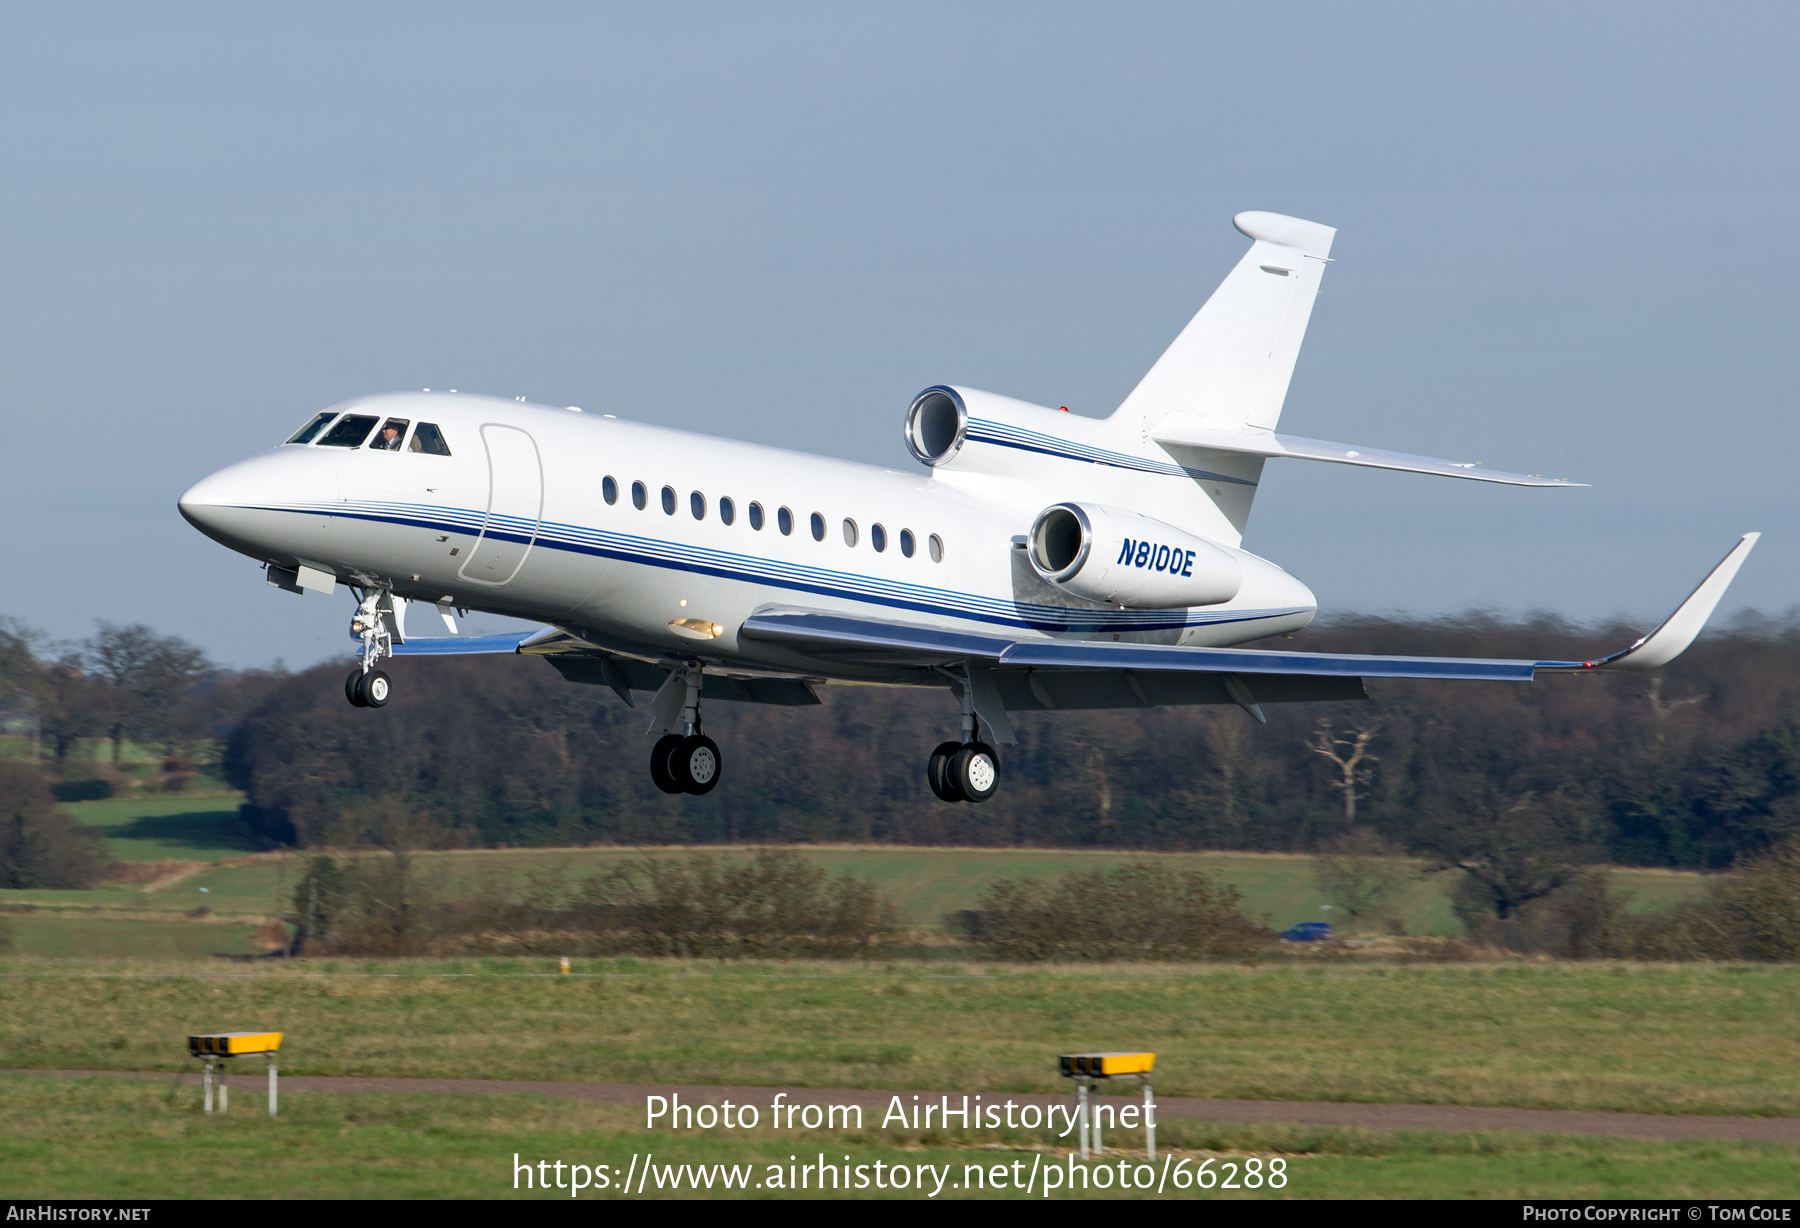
column 1136, row 912
column 1438, row 950
column 372, row 904
column 1362, row 875
column 1753, row 913
column 775, row 905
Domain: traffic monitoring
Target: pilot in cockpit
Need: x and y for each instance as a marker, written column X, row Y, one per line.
column 388, row 440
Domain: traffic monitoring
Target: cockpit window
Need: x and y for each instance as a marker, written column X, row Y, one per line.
column 306, row 433
column 388, row 438
column 428, row 439
column 349, row 432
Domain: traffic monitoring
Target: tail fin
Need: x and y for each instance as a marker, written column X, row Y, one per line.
column 1232, row 363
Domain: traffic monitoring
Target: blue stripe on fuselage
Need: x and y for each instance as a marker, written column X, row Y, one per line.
column 702, row 560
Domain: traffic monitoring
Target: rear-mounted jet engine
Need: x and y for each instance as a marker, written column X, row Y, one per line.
column 1122, row 558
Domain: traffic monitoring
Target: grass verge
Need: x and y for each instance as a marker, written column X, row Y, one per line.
column 1646, row 1038
column 107, row 1138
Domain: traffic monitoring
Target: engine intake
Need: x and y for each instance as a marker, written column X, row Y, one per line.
column 1121, row 558
column 936, row 425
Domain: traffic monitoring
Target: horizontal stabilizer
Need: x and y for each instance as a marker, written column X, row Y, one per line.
column 1184, row 430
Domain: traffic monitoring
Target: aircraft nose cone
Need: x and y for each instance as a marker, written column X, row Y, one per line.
column 207, row 502
column 249, row 506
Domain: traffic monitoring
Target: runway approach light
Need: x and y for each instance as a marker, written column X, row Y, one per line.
column 1087, row 1069
column 213, row 1047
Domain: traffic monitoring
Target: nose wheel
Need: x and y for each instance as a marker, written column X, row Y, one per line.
column 374, row 623
column 370, row 690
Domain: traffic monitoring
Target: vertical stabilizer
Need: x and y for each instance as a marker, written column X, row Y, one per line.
column 1231, row 365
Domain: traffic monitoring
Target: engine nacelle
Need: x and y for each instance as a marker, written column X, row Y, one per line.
column 1122, row 558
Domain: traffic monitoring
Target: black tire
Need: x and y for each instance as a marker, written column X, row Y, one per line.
column 375, row 689
column 659, row 763
column 937, row 771
column 353, row 689
column 975, row 771
column 696, row 764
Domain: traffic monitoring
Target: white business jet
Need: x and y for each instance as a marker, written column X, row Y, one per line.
column 1039, row 561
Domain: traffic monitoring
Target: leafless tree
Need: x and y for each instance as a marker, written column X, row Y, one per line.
column 152, row 678
column 1349, row 753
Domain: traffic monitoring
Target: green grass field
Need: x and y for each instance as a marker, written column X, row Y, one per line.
column 1658, row 1039
column 164, row 829
column 108, row 1138
column 104, row 938
column 925, row 883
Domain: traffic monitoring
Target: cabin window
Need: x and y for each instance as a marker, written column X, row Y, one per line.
column 878, row 538
column 936, row 546
column 907, row 544
column 388, row 438
column 850, row 533
column 697, row 505
column 640, row 497
column 430, row 440
column 609, row 489
column 349, row 432
column 784, row 519
column 306, row 433
column 756, row 516
column 727, row 509
column 668, row 500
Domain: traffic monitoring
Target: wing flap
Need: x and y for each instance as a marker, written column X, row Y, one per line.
column 462, row 645
column 1104, row 655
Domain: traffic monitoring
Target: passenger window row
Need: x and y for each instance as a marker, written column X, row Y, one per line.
column 352, row 429
column 727, row 511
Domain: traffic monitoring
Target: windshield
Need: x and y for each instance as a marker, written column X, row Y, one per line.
column 350, row 431
column 306, row 433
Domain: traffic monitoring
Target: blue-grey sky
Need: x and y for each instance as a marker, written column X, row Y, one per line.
column 1567, row 245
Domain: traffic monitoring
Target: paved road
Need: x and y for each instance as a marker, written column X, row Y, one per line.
column 875, row 1103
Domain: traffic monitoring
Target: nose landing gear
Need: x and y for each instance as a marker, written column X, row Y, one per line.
column 965, row 771
column 370, row 690
column 686, row 762
column 374, row 623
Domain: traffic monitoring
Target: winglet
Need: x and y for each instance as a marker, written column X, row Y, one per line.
column 1679, row 629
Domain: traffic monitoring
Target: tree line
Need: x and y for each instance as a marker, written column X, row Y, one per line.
column 1512, row 783
column 1689, row 767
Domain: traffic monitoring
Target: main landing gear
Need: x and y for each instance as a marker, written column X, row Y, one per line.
column 689, row 761
column 373, row 624
column 965, row 771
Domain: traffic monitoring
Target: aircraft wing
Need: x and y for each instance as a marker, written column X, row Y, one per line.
column 1184, row 430
column 837, row 636
column 1022, row 675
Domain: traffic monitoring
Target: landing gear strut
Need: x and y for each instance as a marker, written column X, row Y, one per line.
column 374, row 624
column 965, row 771
column 689, row 761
